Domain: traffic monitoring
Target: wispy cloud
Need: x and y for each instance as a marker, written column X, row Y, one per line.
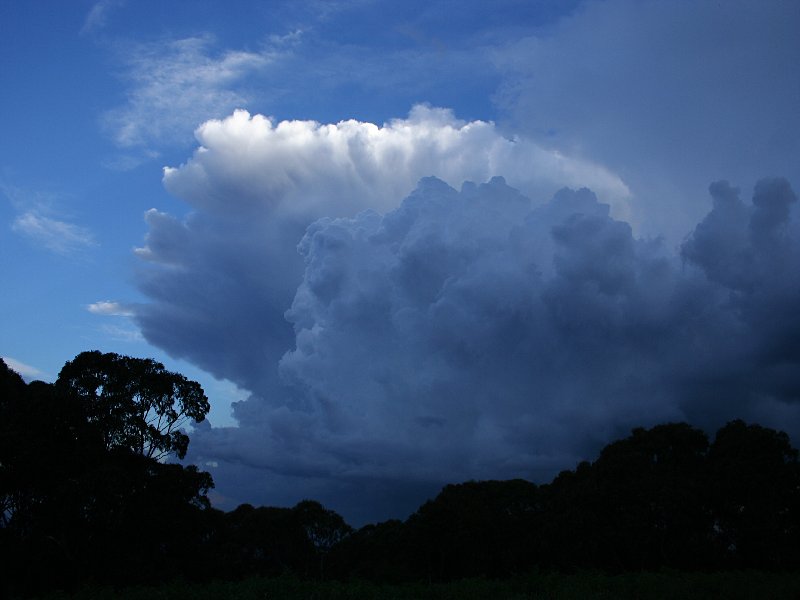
column 55, row 235
column 28, row 372
column 97, row 18
column 121, row 329
column 122, row 334
column 176, row 85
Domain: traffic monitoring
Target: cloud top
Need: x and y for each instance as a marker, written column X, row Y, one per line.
column 224, row 276
column 337, row 168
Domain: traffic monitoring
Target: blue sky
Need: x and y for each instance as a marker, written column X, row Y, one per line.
column 248, row 264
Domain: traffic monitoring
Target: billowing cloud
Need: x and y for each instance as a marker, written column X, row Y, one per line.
column 471, row 335
column 55, row 235
column 222, row 279
column 455, row 334
column 313, row 169
column 474, row 334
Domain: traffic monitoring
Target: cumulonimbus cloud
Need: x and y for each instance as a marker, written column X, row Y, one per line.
column 224, row 277
column 455, row 334
column 471, row 334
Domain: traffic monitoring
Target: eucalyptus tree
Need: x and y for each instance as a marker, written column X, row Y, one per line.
column 134, row 403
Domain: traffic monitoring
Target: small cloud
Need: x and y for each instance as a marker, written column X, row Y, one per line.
column 28, row 372
column 109, row 308
column 289, row 39
column 58, row 236
column 130, row 161
column 98, row 15
column 122, row 334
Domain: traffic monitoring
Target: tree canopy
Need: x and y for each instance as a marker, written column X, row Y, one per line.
column 87, row 494
column 134, row 402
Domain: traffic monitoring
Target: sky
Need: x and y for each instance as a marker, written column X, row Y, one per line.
column 407, row 244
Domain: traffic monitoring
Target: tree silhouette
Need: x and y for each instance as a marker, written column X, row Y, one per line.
column 134, row 402
column 474, row 528
column 323, row 527
column 86, row 496
column 754, row 480
column 82, row 492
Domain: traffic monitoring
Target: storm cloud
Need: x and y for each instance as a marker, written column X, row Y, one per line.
column 469, row 334
column 475, row 334
column 391, row 346
column 221, row 279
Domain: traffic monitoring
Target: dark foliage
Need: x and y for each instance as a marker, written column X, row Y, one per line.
column 85, row 502
column 660, row 498
column 134, row 403
column 76, row 508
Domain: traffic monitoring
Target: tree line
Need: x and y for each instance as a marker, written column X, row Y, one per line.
column 88, row 497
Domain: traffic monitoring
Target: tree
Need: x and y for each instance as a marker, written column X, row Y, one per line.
column 323, row 527
column 754, row 477
column 476, row 528
column 83, row 493
column 135, row 403
column 640, row 505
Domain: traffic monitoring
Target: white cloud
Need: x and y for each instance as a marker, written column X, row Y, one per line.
column 28, row 372
column 122, row 334
column 109, row 308
column 250, row 163
column 97, row 17
column 175, row 85
column 58, row 236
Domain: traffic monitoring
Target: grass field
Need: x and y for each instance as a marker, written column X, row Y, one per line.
column 745, row 585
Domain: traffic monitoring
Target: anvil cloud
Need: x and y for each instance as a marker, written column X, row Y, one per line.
column 390, row 347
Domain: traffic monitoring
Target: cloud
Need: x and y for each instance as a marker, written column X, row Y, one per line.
column 122, row 334
column 475, row 334
column 453, row 334
column 470, row 335
column 58, row 236
column 97, row 17
column 109, row 308
column 304, row 167
column 221, row 280
column 28, row 372
column 176, row 84
column 669, row 95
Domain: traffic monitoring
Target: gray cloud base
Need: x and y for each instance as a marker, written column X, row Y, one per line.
column 471, row 334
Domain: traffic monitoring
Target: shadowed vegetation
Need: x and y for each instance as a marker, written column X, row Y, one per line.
column 87, row 505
